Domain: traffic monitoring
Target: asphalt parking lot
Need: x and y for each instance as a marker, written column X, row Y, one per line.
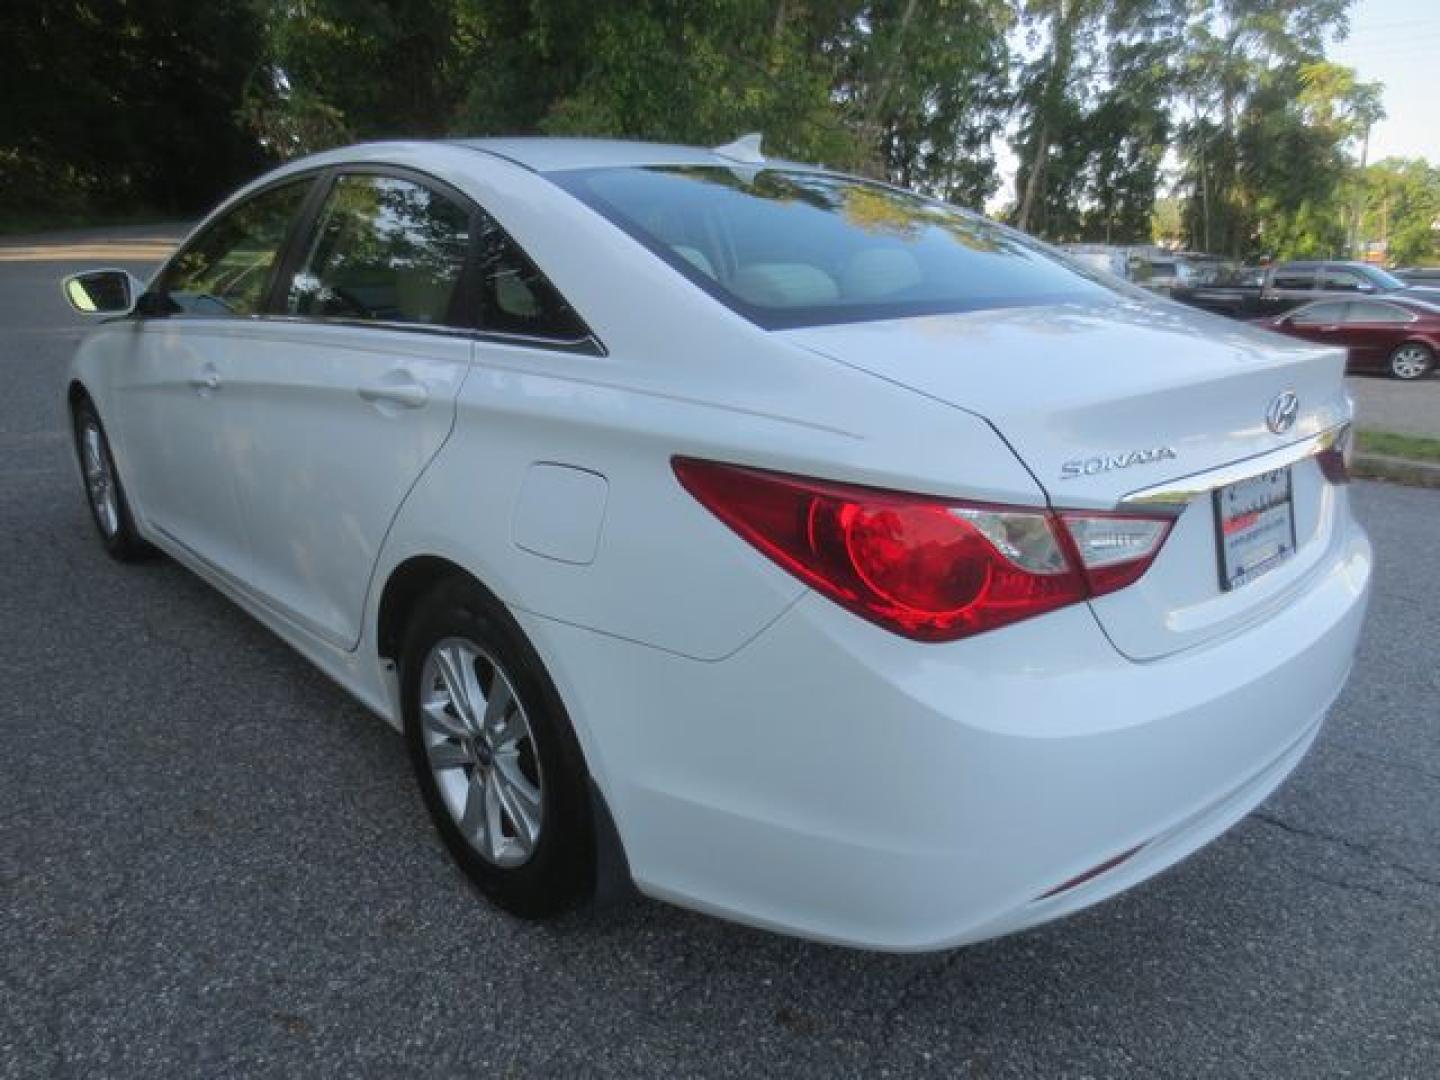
column 1408, row 408
column 213, row 863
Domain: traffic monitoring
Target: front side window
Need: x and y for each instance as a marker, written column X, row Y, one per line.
column 225, row 271
column 1315, row 314
column 384, row 250
column 1340, row 280
column 794, row 248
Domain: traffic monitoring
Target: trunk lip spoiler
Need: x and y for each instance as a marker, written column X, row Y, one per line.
column 1173, row 496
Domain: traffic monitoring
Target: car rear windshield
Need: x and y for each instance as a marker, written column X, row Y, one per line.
column 797, row 248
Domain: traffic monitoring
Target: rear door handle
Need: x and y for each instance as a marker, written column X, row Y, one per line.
column 398, row 388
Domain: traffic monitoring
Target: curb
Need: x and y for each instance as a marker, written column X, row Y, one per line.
column 1397, row 470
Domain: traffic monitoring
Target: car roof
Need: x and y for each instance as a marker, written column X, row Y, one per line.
column 562, row 154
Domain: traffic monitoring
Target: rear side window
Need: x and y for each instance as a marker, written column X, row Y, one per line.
column 795, row 248
column 515, row 298
column 1290, row 278
column 1338, row 280
column 1371, row 311
column 225, row 270
column 385, row 250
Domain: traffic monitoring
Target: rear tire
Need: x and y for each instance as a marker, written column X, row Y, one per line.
column 495, row 755
column 1411, row 361
column 109, row 506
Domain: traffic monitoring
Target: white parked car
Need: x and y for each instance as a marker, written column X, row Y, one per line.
column 800, row 549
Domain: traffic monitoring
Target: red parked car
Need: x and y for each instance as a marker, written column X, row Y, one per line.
column 1398, row 337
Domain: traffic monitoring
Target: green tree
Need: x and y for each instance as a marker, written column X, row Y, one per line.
column 113, row 105
column 1400, row 210
column 925, row 89
column 1093, row 116
column 1247, row 157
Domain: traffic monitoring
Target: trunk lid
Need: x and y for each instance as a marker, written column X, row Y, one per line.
column 1102, row 401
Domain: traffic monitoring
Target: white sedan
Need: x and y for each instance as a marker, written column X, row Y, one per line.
column 797, row 548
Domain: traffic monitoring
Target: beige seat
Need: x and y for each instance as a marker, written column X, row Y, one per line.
column 695, row 257
column 880, row 272
column 784, row 285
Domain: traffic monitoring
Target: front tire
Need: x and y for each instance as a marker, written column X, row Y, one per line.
column 109, row 507
column 494, row 753
column 1411, row 361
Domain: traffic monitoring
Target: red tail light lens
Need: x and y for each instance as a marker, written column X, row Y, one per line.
column 930, row 569
column 1334, row 460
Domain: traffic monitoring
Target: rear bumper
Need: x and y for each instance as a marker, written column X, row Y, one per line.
column 837, row 782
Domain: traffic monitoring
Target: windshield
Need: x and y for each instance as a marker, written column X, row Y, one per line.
column 1383, row 278
column 796, row 248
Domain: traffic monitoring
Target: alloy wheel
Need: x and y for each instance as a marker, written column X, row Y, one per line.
column 1409, row 362
column 481, row 752
column 99, row 479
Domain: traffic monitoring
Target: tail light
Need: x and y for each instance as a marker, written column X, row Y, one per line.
column 1334, row 459
column 928, row 568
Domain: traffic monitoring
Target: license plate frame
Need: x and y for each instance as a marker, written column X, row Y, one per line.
column 1254, row 526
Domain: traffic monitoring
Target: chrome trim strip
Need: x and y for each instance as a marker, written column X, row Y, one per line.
column 589, row 345
column 1174, row 496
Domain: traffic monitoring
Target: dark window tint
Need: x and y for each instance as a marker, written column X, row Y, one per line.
column 793, row 248
column 1242, row 276
column 384, row 249
column 1315, row 314
column 1338, row 280
column 225, row 270
column 1372, row 311
column 1292, row 278
column 515, row 298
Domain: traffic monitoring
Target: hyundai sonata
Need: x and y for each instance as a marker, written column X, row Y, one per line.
column 800, row 549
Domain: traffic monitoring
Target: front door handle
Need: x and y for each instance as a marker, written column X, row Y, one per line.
column 398, row 388
column 207, row 381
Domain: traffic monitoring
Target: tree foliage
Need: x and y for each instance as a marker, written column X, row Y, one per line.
column 1400, row 208
column 1093, row 111
column 1264, row 144
column 1223, row 112
column 118, row 104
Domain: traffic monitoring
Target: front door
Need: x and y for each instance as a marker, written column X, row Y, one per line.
column 1322, row 321
column 176, row 425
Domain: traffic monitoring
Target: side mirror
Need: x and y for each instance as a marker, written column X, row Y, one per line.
column 1365, row 286
column 103, row 292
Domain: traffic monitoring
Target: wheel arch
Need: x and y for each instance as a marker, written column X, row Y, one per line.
column 75, row 393
column 408, row 582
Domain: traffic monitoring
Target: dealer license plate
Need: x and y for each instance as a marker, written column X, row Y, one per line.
column 1255, row 522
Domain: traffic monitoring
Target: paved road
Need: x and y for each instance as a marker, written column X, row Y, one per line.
column 1411, row 408
column 213, row 863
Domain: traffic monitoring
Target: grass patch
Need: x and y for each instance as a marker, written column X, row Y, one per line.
column 1392, row 444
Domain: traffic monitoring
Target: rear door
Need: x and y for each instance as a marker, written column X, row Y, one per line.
column 1374, row 329
column 349, row 389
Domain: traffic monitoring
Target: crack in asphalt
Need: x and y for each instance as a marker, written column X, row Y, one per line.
column 1389, row 762
column 1367, row 850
